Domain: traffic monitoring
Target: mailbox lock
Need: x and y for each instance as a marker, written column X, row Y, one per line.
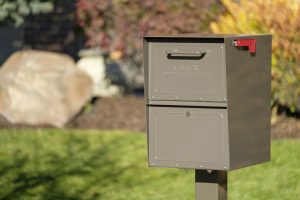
column 187, row 114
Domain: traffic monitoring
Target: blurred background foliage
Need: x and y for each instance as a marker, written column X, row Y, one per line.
column 281, row 19
column 14, row 11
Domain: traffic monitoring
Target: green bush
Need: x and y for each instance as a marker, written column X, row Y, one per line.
column 14, row 11
column 281, row 19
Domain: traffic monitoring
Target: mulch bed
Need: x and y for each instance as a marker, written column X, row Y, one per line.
column 286, row 127
column 128, row 112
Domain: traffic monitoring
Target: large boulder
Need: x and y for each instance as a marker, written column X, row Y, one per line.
column 42, row 88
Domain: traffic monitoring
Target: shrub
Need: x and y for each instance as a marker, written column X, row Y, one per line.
column 281, row 19
column 117, row 25
column 14, row 11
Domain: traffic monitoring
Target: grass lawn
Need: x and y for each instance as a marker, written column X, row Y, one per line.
column 112, row 165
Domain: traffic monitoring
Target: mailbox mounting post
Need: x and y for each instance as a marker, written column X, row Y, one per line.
column 210, row 185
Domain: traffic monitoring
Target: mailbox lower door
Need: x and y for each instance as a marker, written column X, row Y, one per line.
column 188, row 137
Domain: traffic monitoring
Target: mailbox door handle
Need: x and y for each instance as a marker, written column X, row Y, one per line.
column 173, row 54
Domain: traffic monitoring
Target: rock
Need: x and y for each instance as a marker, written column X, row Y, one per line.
column 125, row 75
column 92, row 63
column 42, row 88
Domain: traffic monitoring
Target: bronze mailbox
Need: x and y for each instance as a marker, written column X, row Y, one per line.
column 208, row 100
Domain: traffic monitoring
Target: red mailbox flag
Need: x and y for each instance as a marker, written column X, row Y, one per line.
column 250, row 43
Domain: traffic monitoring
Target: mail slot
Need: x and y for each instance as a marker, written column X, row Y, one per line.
column 208, row 100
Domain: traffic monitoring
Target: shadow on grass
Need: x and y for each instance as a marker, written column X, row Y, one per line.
column 44, row 175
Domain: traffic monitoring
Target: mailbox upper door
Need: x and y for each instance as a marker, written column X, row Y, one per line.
column 187, row 71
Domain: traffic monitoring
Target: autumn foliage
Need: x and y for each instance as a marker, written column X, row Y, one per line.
column 281, row 18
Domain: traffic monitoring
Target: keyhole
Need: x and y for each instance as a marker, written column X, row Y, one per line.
column 188, row 114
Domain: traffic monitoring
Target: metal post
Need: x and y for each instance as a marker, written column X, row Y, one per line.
column 211, row 185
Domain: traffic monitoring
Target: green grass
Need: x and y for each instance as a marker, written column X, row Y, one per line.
column 112, row 165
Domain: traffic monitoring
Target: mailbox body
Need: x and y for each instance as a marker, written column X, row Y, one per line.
column 207, row 101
